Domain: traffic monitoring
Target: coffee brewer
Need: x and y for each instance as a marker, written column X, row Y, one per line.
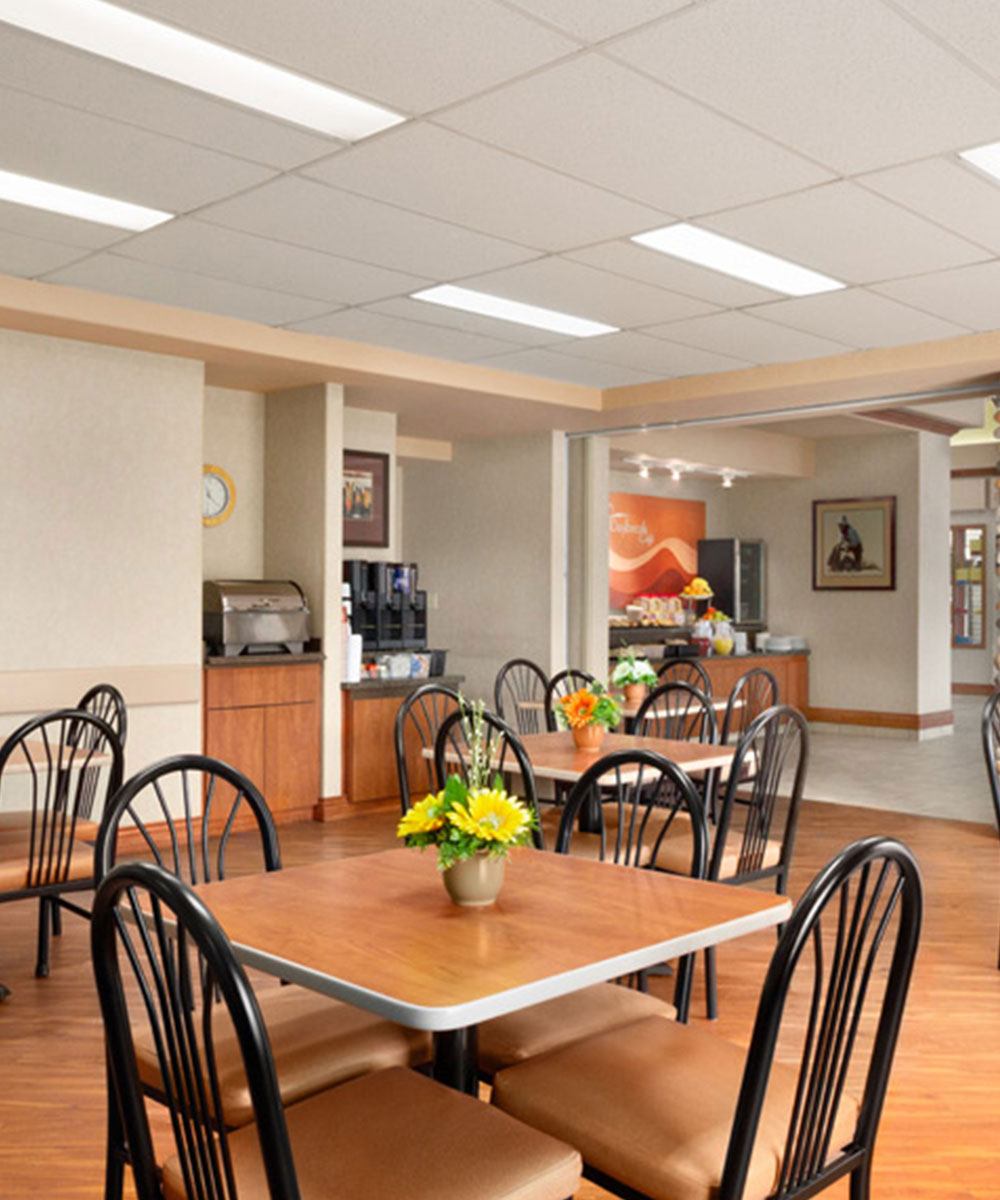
column 387, row 608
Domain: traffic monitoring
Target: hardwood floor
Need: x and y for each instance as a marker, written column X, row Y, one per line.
column 941, row 1128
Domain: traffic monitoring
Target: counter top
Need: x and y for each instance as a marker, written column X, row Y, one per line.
column 366, row 689
column 263, row 660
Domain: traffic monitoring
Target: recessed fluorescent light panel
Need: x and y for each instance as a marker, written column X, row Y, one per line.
column 720, row 253
column 148, row 45
column 512, row 310
column 71, row 202
column 986, row 158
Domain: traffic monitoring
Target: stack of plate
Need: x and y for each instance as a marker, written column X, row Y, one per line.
column 786, row 642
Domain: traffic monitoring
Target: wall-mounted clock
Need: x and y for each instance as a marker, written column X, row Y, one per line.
column 218, row 495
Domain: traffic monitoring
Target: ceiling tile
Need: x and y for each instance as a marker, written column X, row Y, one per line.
column 550, row 365
column 662, row 270
column 414, row 57
column 858, row 318
column 310, row 214
column 31, row 256
column 947, row 192
column 599, row 121
column 145, row 281
column 851, row 84
column 53, row 227
column 453, row 318
column 582, row 291
column 969, row 296
column 666, row 360
column 191, row 245
column 64, row 145
column 971, row 26
column 44, row 68
column 847, row 232
column 363, row 325
column 443, row 174
column 594, row 20
column 747, row 337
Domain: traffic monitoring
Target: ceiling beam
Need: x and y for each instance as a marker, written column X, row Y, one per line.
column 908, row 419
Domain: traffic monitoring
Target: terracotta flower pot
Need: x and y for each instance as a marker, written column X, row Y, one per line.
column 475, row 882
column 635, row 693
column 589, row 738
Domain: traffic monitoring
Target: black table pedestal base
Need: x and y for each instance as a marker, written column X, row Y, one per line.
column 455, row 1055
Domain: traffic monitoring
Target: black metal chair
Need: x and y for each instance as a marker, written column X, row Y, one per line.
column 504, row 753
column 685, row 670
column 182, row 814
column 104, row 700
column 662, row 1109
column 754, row 691
column 519, row 695
column 679, row 712
column 53, row 769
column 415, row 730
column 366, row 1137
column 991, row 751
column 564, row 683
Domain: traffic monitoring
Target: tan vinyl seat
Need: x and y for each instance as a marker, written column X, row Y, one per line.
column 16, row 824
column 652, row 1106
column 14, row 865
column 675, row 854
column 588, row 845
column 317, row 1043
column 396, row 1133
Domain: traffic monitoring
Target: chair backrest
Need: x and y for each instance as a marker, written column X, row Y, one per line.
column 505, row 755
column 991, row 748
column 564, row 683
column 760, row 806
column 635, row 800
column 851, row 942
column 418, row 720
column 679, row 712
column 104, row 700
column 57, row 769
column 519, row 695
column 685, row 670
column 754, row 691
column 188, row 983
column 183, row 811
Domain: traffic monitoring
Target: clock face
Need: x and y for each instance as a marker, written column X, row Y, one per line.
column 217, row 495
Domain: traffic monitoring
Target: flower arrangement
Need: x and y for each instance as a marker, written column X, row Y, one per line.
column 469, row 816
column 591, row 705
column 630, row 670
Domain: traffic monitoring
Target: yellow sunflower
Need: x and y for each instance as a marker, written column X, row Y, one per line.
column 424, row 817
column 492, row 816
column 578, row 708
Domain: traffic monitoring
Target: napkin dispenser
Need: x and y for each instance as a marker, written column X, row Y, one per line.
column 254, row 616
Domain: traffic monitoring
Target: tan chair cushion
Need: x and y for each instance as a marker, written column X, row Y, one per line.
column 396, row 1133
column 14, row 865
column 317, row 1042
column 652, row 1105
column 15, row 823
column 588, row 845
column 542, row 1027
column 675, row 853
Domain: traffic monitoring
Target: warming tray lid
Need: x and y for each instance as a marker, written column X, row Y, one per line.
column 254, row 595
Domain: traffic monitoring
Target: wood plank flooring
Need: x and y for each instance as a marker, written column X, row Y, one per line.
column 940, row 1134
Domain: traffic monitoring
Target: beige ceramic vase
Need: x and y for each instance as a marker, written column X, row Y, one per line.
column 635, row 693
column 589, row 738
column 475, row 882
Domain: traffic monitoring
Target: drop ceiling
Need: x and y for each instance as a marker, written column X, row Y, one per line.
column 541, row 135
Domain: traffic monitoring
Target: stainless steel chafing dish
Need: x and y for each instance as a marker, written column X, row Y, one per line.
column 255, row 616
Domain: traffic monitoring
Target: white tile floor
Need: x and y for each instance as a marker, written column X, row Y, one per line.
column 943, row 777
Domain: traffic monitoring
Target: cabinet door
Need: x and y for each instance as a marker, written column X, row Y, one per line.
column 292, row 758
column 236, row 736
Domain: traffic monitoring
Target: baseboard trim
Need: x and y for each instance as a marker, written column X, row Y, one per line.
column 972, row 689
column 881, row 720
column 336, row 808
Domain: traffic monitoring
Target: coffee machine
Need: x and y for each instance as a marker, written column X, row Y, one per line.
column 387, row 607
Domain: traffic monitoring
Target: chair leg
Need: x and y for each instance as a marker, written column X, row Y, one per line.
column 56, row 918
column 4, row 993
column 861, row 1179
column 44, row 926
column 711, row 993
column 116, row 1154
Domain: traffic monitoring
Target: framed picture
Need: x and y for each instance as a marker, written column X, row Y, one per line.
column 854, row 544
column 366, row 498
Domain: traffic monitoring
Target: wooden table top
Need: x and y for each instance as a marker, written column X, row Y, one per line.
column 380, row 932
column 555, row 756
column 719, row 703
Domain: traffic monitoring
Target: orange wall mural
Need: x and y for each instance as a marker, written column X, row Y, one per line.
column 653, row 544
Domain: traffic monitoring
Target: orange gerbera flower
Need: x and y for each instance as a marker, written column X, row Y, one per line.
column 578, row 709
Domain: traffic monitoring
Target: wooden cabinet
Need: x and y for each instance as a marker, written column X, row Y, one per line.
column 266, row 721
column 790, row 670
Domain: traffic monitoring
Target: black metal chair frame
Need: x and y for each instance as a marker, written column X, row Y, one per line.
column 57, row 806
column 749, row 688
column 564, row 683
column 104, row 700
column 694, row 706
column 990, row 727
column 887, row 885
column 660, row 787
column 500, row 739
column 521, row 679
column 681, row 667
column 425, row 709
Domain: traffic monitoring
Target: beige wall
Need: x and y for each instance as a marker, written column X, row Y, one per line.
column 488, row 532
column 376, row 432
column 233, row 438
column 100, row 469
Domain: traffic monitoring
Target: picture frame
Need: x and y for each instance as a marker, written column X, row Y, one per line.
column 854, row 544
column 365, row 499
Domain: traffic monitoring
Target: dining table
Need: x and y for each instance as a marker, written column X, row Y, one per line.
column 379, row 931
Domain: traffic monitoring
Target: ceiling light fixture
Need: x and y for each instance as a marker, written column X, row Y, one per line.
column 675, row 474
column 644, row 472
column 71, row 202
column 735, row 258
column 148, row 45
column 727, row 479
column 487, row 305
column 984, row 158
